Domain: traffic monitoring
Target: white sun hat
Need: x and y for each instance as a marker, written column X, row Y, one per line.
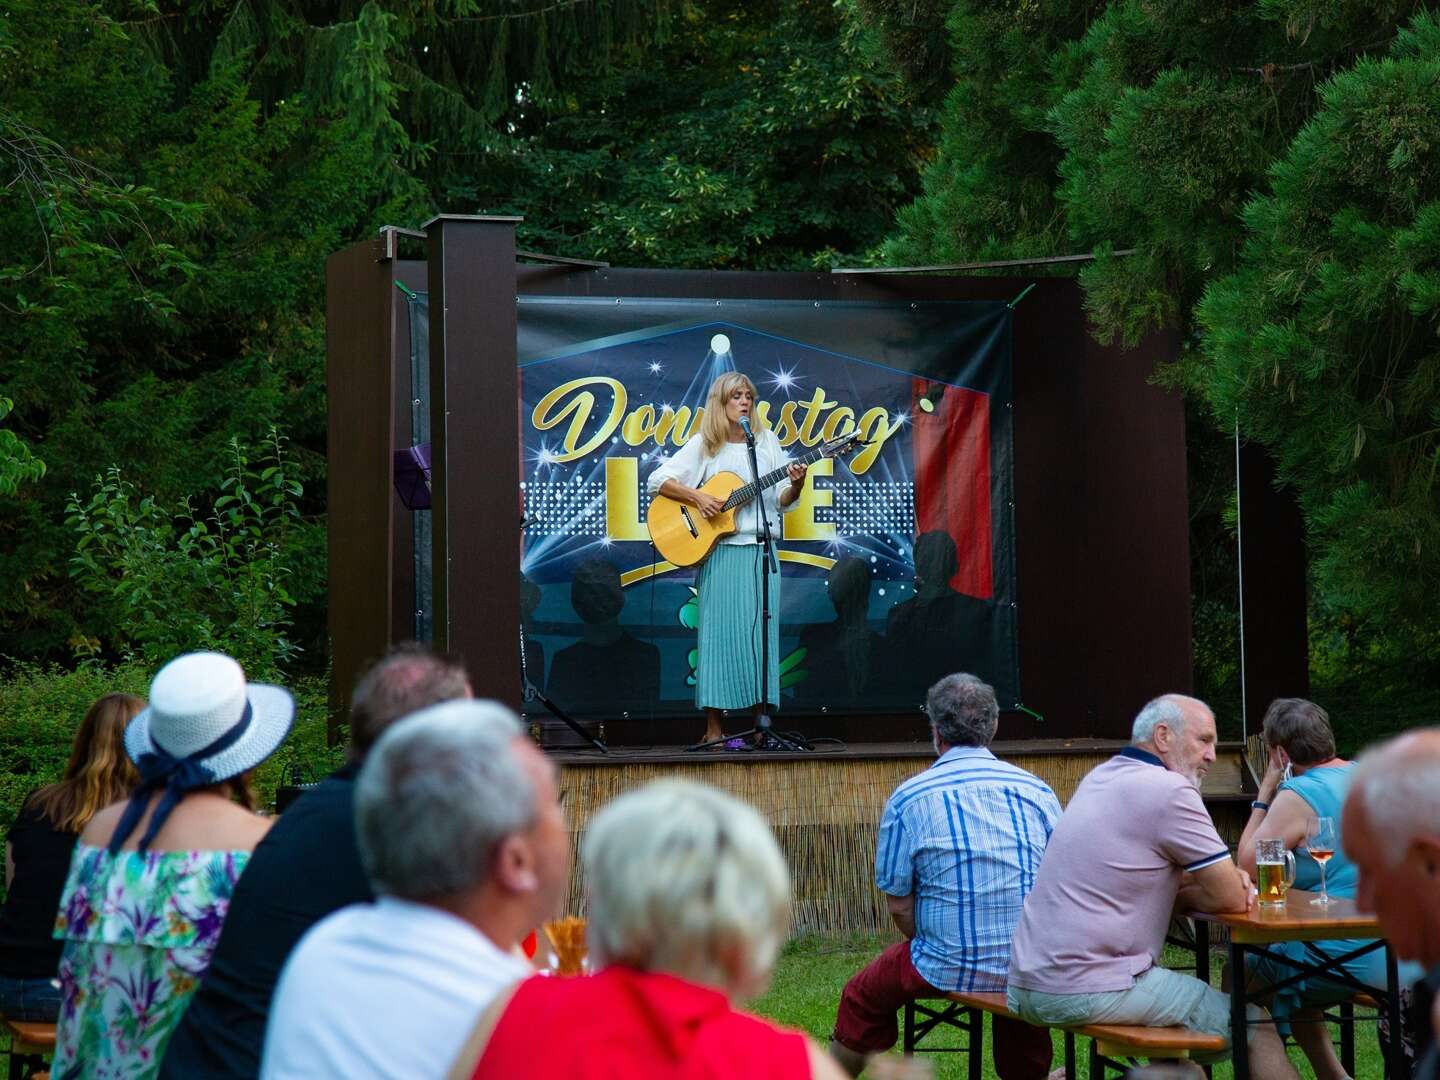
column 199, row 699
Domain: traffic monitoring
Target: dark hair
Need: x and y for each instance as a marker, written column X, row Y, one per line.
column 406, row 679
column 1301, row 728
column 849, row 584
column 963, row 710
column 595, row 591
column 99, row 772
column 935, row 558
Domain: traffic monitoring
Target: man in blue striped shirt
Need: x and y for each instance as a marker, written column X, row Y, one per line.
column 958, row 849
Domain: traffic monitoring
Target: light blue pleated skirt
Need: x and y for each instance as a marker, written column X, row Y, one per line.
column 727, row 671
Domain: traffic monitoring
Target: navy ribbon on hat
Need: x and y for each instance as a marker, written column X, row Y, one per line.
column 176, row 776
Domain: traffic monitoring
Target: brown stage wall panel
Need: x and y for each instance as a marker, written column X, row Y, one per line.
column 360, row 327
column 1272, row 554
column 475, row 432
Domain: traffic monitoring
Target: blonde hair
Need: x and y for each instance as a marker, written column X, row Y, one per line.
column 685, row 879
column 99, row 771
column 715, row 427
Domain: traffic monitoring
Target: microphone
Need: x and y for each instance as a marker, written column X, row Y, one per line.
column 745, row 427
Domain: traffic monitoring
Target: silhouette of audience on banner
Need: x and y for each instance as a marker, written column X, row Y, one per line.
column 842, row 658
column 938, row 630
column 846, row 662
column 608, row 667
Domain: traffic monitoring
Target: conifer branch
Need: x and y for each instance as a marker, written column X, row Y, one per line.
column 560, row 5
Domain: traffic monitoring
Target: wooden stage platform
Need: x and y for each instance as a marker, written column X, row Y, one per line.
column 825, row 806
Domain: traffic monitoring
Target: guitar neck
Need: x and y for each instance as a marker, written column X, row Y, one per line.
column 742, row 495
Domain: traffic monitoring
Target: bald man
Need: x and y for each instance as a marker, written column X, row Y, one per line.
column 1391, row 831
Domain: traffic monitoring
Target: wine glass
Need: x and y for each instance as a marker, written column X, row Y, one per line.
column 1320, row 842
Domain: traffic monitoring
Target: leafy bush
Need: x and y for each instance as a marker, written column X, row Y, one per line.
column 169, row 581
column 40, row 708
column 18, row 462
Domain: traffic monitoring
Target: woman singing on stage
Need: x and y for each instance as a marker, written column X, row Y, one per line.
column 727, row 675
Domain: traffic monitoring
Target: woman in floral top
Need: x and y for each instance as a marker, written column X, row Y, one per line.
column 151, row 879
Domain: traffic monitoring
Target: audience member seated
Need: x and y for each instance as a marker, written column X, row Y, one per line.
column 37, row 856
column 464, row 841
column 1298, row 736
column 1134, row 845
column 1391, row 828
column 151, row 878
column 959, row 846
column 307, row 866
column 689, row 904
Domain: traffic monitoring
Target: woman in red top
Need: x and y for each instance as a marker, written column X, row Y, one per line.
column 689, row 905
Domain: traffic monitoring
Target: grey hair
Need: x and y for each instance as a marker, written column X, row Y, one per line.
column 681, row 878
column 1398, row 782
column 963, row 710
column 438, row 792
column 1167, row 709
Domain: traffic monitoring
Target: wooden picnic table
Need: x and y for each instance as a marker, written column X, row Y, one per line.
column 1299, row 920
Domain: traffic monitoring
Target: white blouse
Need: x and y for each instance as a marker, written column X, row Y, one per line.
column 691, row 466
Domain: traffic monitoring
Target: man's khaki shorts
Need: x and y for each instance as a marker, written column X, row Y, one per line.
column 1158, row 998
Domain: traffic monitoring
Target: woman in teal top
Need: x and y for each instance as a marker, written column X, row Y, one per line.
column 1305, row 780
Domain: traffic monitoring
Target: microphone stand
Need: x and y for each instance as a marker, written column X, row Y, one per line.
column 766, row 738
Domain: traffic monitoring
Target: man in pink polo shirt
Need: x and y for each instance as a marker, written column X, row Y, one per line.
column 1135, row 845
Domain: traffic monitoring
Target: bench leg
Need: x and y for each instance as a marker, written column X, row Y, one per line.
column 1070, row 1073
column 976, row 1041
column 909, row 1032
column 1347, row 1037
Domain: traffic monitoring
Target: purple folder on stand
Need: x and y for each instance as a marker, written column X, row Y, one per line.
column 412, row 476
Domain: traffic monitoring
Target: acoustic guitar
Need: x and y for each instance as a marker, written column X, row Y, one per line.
column 684, row 536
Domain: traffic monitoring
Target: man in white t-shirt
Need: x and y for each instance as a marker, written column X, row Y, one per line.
column 462, row 835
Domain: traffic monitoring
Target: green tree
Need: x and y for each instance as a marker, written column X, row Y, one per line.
column 1071, row 127
column 1323, row 340
column 18, row 462
column 165, row 267
column 760, row 135
column 209, row 573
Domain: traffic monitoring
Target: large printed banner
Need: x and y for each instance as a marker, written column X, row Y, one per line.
column 897, row 566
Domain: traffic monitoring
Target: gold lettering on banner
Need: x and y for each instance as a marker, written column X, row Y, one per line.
column 577, row 405
column 813, row 408
column 875, row 429
column 800, row 524
column 622, row 500
column 578, row 408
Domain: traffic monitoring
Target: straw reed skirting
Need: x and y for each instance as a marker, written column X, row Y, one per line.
column 824, row 811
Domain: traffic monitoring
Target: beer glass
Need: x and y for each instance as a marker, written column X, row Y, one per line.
column 1320, row 842
column 1274, row 871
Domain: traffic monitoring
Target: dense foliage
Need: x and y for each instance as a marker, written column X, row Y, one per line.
column 43, row 706
column 182, row 169
column 175, row 173
column 1271, row 166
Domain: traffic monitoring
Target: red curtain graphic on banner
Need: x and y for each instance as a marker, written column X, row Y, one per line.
column 951, row 451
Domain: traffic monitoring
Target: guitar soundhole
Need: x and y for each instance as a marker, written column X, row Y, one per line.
column 689, row 523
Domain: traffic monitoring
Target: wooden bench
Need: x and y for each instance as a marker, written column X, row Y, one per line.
column 1110, row 1044
column 30, row 1045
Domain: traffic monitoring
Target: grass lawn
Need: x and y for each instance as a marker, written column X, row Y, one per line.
column 812, row 971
